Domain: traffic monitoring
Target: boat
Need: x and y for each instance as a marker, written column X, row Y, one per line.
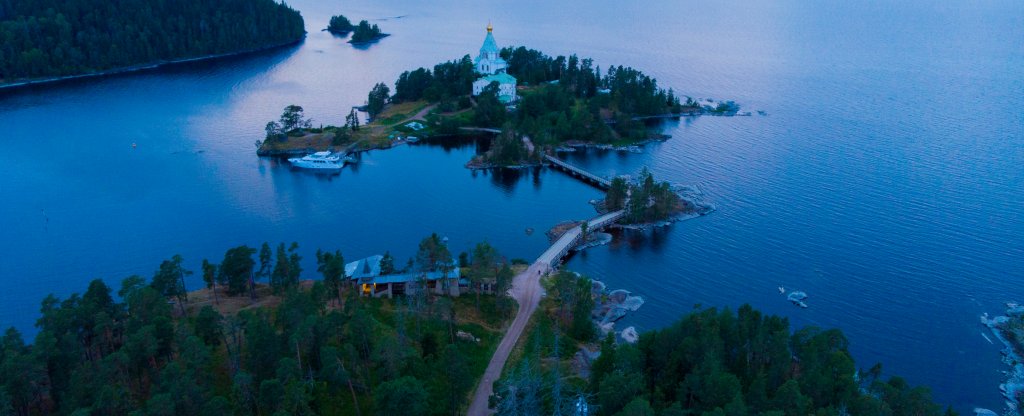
column 320, row 160
column 797, row 298
column 412, row 139
column 782, row 290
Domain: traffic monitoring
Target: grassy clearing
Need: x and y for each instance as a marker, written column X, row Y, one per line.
column 395, row 113
column 379, row 134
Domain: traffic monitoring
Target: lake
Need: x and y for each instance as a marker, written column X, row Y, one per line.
column 886, row 179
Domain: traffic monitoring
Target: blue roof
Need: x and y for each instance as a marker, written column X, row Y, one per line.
column 501, row 78
column 412, row 277
column 364, row 268
column 489, row 44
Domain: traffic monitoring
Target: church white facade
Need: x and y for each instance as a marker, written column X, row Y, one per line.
column 491, row 67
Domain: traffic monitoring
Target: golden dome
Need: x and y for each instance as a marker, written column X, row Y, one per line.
column 489, row 27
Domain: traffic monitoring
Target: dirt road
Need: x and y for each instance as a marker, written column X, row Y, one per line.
column 527, row 291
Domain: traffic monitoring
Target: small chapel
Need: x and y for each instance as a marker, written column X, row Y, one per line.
column 491, row 68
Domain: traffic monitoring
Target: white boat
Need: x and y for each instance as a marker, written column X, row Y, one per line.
column 320, row 160
column 797, row 298
column 782, row 290
column 412, row 139
column 797, row 295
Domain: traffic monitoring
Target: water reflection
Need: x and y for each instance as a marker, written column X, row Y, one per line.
column 229, row 70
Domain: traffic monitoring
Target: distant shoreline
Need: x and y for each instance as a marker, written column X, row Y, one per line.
column 139, row 68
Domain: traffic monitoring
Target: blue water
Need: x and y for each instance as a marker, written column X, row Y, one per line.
column 886, row 180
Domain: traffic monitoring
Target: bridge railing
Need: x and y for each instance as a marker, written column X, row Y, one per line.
column 572, row 237
column 573, row 169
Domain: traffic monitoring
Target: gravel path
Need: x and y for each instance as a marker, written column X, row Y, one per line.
column 527, row 291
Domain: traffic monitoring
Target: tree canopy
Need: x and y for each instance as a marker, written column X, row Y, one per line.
column 365, row 32
column 644, row 200
column 340, row 25
column 376, row 100
column 717, row 362
column 302, row 354
column 45, row 38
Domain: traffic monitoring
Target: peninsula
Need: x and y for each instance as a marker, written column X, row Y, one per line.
column 261, row 339
column 51, row 40
column 537, row 103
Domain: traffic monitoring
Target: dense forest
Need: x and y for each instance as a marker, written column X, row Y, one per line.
column 445, row 83
column 298, row 347
column 715, row 362
column 585, row 104
column 46, row 38
column 365, row 32
column 340, row 25
column 709, row 363
column 262, row 342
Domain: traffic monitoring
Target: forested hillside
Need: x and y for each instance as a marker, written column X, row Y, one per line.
column 245, row 347
column 717, row 363
column 46, row 38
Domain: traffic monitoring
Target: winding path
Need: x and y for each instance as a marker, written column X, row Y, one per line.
column 526, row 291
column 421, row 115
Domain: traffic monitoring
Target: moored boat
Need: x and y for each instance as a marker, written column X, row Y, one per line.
column 320, row 160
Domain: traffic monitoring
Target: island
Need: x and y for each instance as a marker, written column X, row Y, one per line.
column 365, row 33
column 643, row 203
column 531, row 103
column 340, row 25
column 647, row 201
column 49, row 40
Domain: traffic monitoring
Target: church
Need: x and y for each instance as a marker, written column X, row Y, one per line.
column 492, row 69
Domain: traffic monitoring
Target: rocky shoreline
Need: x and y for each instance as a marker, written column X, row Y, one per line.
column 692, row 196
column 1009, row 329
column 263, row 152
column 611, row 306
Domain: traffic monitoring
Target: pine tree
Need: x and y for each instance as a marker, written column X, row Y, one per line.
column 210, row 277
